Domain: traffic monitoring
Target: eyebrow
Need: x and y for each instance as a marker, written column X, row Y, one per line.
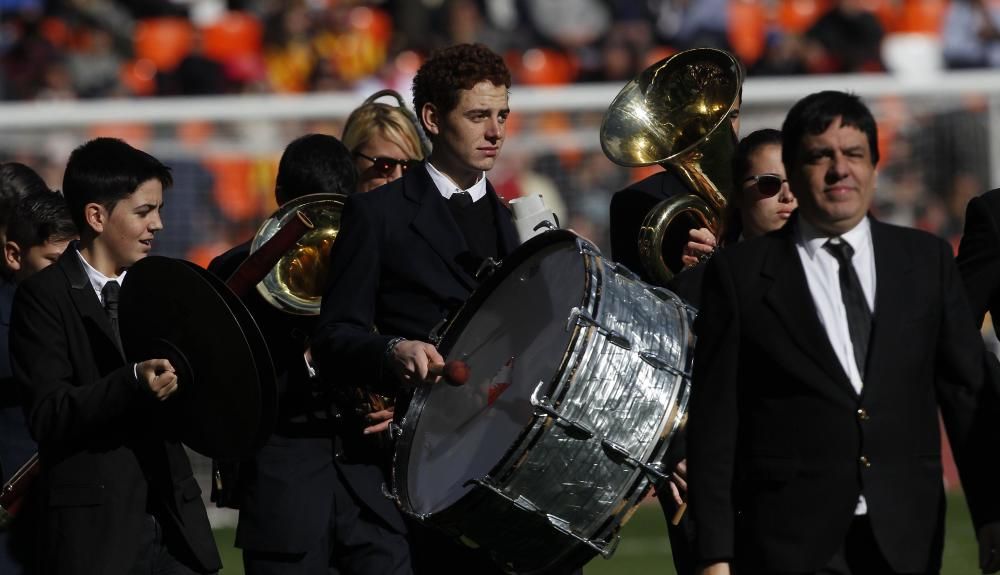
column 479, row 111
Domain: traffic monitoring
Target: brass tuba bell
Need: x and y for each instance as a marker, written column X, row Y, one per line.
column 676, row 114
column 297, row 282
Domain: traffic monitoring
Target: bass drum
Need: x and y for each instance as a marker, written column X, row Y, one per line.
column 579, row 383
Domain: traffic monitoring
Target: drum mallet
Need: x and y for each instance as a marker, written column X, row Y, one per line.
column 454, row 372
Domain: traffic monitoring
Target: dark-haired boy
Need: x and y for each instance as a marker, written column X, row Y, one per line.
column 39, row 229
column 113, row 496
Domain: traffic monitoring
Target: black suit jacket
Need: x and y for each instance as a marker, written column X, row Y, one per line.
column 629, row 208
column 399, row 266
column 979, row 256
column 103, row 460
column 776, row 432
column 289, row 483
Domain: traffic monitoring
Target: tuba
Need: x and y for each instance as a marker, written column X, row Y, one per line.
column 296, row 283
column 676, row 114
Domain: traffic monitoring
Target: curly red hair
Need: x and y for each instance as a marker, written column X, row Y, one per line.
column 455, row 68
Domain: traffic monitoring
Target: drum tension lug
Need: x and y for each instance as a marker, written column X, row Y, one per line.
column 395, row 430
column 620, row 455
column 573, row 428
column 582, row 317
column 487, row 268
column 659, row 363
column 624, row 271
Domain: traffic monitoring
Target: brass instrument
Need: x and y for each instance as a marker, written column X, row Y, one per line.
column 296, row 283
column 676, row 114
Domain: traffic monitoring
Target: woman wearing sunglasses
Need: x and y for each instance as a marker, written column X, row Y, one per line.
column 383, row 140
column 762, row 203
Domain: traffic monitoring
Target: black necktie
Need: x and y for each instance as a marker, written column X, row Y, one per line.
column 461, row 199
column 859, row 316
column 110, row 295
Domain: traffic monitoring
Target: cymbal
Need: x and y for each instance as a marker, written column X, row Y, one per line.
column 226, row 402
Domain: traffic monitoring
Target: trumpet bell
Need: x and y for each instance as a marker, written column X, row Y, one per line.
column 297, row 282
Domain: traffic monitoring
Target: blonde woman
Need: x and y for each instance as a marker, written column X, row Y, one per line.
column 384, row 141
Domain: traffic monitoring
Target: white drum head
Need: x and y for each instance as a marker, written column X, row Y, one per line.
column 513, row 340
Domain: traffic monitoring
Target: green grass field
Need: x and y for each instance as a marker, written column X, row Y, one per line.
column 644, row 547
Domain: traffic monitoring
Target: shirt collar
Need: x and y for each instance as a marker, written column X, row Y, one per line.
column 447, row 187
column 97, row 279
column 813, row 239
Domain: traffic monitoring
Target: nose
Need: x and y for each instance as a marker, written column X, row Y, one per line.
column 494, row 130
column 785, row 195
column 155, row 222
column 838, row 168
column 397, row 172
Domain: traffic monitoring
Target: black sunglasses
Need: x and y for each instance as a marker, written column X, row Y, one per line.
column 388, row 165
column 767, row 184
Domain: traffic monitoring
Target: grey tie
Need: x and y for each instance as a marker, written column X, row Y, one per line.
column 859, row 316
column 109, row 293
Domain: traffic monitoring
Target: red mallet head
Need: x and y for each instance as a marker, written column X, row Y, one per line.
column 456, row 372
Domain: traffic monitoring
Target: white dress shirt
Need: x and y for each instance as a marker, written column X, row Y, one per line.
column 822, row 274
column 447, row 187
column 97, row 279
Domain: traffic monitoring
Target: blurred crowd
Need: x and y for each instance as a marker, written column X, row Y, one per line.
column 934, row 158
column 61, row 49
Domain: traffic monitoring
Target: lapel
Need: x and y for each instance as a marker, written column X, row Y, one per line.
column 789, row 298
column 505, row 222
column 83, row 296
column 893, row 268
column 434, row 223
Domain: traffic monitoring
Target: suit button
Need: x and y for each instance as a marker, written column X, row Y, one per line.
column 864, row 461
column 863, row 414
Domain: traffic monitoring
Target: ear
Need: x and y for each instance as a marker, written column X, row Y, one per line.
column 12, row 256
column 95, row 216
column 430, row 118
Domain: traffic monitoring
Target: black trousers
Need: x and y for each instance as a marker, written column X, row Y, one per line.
column 154, row 557
column 859, row 555
column 358, row 542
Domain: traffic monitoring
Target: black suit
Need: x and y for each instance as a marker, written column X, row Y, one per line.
column 776, row 431
column 629, row 208
column 400, row 265
column 979, row 256
column 302, row 493
column 104, row 465
column 16, row 445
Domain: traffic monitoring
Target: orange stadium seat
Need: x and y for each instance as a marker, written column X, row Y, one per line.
column 922, row 16
column 163, row 41
column 56, row 32
column 887, row 12
column 797, row 16
column 235, row 36
column 233, row 191
column 135, row 133
column 747, row 29
column 139, row 76
column 545, row 67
